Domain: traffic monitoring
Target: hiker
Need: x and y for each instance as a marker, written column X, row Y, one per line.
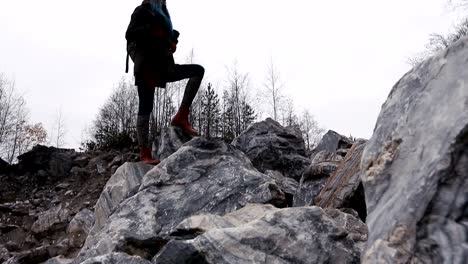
column 151, row 42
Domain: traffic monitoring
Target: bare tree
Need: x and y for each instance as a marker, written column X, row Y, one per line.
column 16, row 134
column 312, row 132
column 438, row 42
column 237, row 83
column 288, row 113
column 59, row 130
column 273, row 87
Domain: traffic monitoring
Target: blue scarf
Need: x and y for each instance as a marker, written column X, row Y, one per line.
column 158, row 8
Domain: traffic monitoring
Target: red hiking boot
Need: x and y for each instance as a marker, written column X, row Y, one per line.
column 146, row 157
column 180, row 120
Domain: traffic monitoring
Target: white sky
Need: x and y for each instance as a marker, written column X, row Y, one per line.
column 337, row 58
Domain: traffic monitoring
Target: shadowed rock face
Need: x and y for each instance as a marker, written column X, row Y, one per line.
column 344, row 188
column 170, row 141
column 3, row 165
column 272, row 147
column 270, row 235
column 331, row 142
column 124, row 183
column 56, row 162
column 415, row 167
column 204, row 176
column 312, row 181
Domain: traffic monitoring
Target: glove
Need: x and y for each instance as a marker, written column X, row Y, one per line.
column 175, row 36
column 173, row 47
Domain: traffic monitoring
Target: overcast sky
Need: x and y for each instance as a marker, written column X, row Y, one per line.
column 339, row 59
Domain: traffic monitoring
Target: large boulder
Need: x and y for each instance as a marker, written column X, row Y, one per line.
column 415, row 166
column 312, row 181
column 344, row 188
column 123, row 184
column 55, row 162
column 203, row 176
column 288, row 185
column 170, row 140
column 261, row 234
column 271, row 146
column 331, row 142
column 79, row 227
column 55, row 218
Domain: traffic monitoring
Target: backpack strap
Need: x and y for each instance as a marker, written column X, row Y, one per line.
column 126, row 64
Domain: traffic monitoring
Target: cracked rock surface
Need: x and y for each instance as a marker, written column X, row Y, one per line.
column 270, row 235
column 203, row 176
column 415, row 166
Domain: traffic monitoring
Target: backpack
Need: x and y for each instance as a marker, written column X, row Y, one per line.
column 131, row 52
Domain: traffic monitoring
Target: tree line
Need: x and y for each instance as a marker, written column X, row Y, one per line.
column 217, row 112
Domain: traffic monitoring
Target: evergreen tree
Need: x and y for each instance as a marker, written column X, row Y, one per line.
column 248, row 115
column 211, row 111
column 227, row 119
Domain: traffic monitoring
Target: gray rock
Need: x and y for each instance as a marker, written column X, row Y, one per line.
column 415, row 167
column 171, row 139
column 54, row 218
column 324, row 155
column 272, row 147
column 36, row 255
column 81, row 161
column 312, row 181
column 12, row 260
column 63, row 185
column 79, row 227
column 58, row 260
column 101, row 167
column 99, row 163
column 287, row 185
column 342, row 152
column 4, row 254
column 200, row 224
column 331, row 142
column 117, row 161
column 293, row 235
column 55, row 162
column 123, row 184
column 344, row 187
column 78, row 171
column 117, row 258
column 204, row 176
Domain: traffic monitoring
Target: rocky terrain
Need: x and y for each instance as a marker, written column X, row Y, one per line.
column 399, row 197
column 48, row 197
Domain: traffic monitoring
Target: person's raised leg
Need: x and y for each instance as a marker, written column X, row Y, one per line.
column 145, row 107
column 195, row 73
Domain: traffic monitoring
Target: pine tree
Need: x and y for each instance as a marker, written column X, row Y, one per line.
column 248, row 115
column 227, row 119
column 211, row 111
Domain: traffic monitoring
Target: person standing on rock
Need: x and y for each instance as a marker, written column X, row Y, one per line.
column 151, row 42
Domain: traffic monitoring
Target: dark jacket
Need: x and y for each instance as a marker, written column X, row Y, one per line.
column 149, row 42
